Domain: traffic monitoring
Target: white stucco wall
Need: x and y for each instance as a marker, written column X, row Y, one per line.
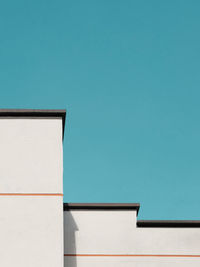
column 31, row 203
column 31, row 155
column 113, row 233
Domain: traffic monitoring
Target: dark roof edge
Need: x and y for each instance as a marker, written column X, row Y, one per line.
column 101, row 206
column 55, row 113
column 133, row 206
column 168, row 223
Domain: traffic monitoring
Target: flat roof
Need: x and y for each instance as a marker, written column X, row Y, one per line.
column 168, row 223
column 55, row 113
column 101, row 206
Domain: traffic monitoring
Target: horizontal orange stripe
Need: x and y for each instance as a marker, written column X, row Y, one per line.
column 129, row 255
column 31, row 194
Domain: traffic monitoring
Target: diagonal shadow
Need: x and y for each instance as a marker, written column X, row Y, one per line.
column 70, row 227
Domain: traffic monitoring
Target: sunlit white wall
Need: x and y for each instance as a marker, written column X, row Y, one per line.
column 98, row 238
column 31, row 217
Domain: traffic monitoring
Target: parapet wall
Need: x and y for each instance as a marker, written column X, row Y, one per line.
column 114, row 238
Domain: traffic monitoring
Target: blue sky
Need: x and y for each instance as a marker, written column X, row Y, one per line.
column 128, row 74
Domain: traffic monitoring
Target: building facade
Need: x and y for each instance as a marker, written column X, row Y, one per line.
column 37, row 230
column 110, row 235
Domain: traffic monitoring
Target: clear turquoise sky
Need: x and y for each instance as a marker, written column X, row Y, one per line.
column 128, row 73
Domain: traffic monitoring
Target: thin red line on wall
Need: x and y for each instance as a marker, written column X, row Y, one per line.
column 31, row 194
column 131, row 255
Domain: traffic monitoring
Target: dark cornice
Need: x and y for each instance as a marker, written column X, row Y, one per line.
column 101, row 206
column 168, row 223
column 44, row 113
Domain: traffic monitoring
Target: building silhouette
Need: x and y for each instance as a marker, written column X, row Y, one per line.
column 38, row 230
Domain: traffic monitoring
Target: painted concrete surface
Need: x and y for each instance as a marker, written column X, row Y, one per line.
column 31, row 231
column 31, row 202
column 100, row 237
column 31, row 155
column 127, row 262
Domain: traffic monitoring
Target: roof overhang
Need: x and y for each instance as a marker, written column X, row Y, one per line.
column 35, row 113
column 101, row 206
column 168, row 223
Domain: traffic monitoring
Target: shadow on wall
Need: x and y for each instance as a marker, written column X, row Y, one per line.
column 70, row 228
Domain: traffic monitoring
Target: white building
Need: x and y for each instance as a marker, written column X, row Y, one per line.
column 31, row 203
